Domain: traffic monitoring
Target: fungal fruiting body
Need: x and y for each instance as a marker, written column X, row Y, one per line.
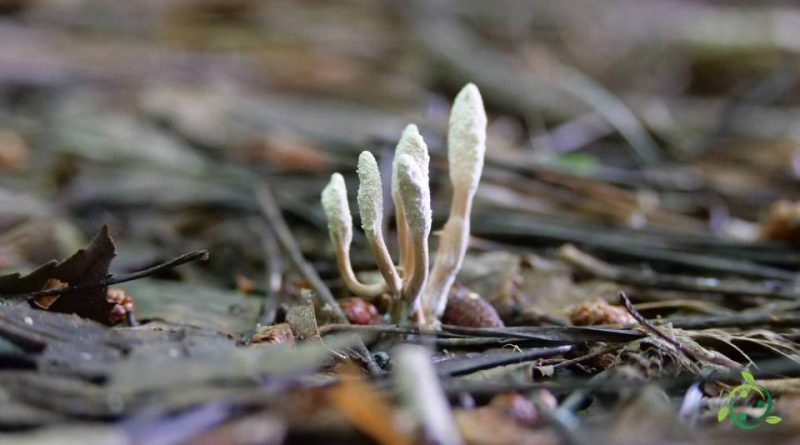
column 370, row 205
column 416, row 199
column 420, row 293
column 411, row 144
column 466, row 141
column 340, row 227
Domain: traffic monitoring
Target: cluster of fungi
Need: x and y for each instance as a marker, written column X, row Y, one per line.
column 419, row 292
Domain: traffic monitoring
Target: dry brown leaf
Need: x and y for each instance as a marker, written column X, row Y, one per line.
column 366, row 409
column 288, row 152
column 44, row 302
column 598, row 311
column 274, row 334
column 86, row 267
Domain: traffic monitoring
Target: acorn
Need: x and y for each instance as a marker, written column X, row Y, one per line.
column 468, row 309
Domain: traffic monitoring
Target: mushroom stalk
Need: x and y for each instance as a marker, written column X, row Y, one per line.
column 411, row 144
column 405, row 257
column 415, row 196
column 414, row 286
column 449, row 256
column 466, row 140
column 370, row 205
column 340, row 226
column 349, row 277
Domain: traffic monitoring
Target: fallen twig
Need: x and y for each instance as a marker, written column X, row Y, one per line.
column 272, row 214
column 467, row 365
column 790, row 320
column 601, row 269
column 699, row 355
column 274, row 276
column 117, row 279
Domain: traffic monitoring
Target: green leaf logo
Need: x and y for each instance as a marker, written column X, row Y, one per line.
column 743, row 394
column 772, row 420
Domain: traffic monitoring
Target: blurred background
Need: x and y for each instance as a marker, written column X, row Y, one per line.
column 614, row 117
column 644, row 146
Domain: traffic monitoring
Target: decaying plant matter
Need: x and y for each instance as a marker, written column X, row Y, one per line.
column 420, row 293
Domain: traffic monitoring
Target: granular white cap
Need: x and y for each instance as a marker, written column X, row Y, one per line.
column 415, row 195
column 370, row 193
column 337, row 210
column 467, row 138
column 411, row 144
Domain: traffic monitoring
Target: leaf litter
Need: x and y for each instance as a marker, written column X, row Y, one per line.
column 539, row 346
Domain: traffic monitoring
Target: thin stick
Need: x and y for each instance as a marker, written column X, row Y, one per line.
column 698, row 355
column 649, row 326
column 272, row 213
column 379, row 329
column 588, row 356
column 456, row 367
column 201, row 255
column 601, row 269
column 776, row 320
column 117, row 279
column 274, row 276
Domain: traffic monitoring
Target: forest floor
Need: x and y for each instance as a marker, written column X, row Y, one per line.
column 631, row 275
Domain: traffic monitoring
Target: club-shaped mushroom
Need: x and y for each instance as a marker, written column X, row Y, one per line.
column 370, row 206
column 466, row 141
column 340, row 227
column 423, row 292
column 415, row 195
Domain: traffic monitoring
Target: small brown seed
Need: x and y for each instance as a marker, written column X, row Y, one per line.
column 361, row 312
column 468, row 309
